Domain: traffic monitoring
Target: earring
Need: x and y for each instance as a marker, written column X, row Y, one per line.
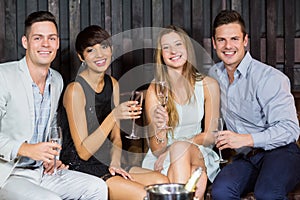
column 83, row 64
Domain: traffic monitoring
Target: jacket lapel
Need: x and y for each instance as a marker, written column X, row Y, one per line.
column 27, row 84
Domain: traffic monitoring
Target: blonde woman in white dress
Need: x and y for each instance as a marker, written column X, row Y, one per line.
column 178, row 151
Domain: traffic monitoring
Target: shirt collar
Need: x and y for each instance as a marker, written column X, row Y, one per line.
column 244, row 65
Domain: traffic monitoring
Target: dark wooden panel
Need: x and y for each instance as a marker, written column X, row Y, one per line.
column 157, row 13
column 31, row 6
column 289, row 19
column 117, row 16
column 96, row 13
column 236, row 5
column 21, row 16
column 85, row 13
column 197, row 21
column 215, row 9
column 2, row 33
column 117, row 26
column 107, row 18
column 255, row 13
column 147, row 13
column 74, row 8
column 62, row 60
column 167, row 12
column 297, row 50
column 271, row 32
column 54, row 7
column 297, row 16
column 187, row 19
column 137, row 36
column 10, row 31
column 178, row 7
column 42, row 5
column 148, row 53
column 137, row 13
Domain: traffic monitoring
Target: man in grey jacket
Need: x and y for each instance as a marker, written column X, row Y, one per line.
column 29, row 96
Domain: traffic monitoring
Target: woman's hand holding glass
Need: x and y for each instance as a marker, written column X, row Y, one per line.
column 126, row 110
column 132, row 110
column 160, row 118
column 162, row 92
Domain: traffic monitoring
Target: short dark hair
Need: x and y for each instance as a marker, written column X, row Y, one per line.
column 227, row 17
column 39, row 16
column 90, row 36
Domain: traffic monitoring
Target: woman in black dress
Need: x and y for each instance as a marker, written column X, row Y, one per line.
column 93, row 143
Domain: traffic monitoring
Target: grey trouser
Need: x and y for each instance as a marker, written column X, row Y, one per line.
column 31, row 184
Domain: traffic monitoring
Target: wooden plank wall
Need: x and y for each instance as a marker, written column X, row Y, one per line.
column 273, row 26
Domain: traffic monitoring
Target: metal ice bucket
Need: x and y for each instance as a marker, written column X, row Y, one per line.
column 172, row 191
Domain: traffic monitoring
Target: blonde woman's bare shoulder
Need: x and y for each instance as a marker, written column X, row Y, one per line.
column 209, row 79
column 210, row 82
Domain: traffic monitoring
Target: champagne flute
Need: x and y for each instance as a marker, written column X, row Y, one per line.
column 55, row 137
column 162, row 95
column 135, row 96
column 218, row 126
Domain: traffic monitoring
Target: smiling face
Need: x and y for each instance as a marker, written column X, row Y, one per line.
column 41, row 44
column 230, row 44
column 98, row 57
column 174, row 50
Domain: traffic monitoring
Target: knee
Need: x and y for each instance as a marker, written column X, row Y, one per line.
column 180, row 146
column 158, row 178
column 181, row 149
column 162, row 179
column 217, row 191
column 222, row 190
column 97, row 189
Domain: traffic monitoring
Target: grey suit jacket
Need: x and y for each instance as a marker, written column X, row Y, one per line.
column 17, row 111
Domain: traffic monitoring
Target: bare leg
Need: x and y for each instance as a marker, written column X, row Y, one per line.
column 147, row 177
column 185, row 158
column 120, row 188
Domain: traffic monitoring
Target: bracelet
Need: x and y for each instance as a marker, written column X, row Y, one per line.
column 159, row 140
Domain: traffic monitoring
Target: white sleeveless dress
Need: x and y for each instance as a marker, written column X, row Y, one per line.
column 190, row 116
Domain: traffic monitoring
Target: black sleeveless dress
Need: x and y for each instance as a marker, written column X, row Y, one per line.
column 98, row 106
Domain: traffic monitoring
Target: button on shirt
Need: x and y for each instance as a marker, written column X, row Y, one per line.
column 258, row 102
column 42, row 104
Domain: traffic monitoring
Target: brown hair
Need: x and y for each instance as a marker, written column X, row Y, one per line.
column 227, row 17
column 39, row 16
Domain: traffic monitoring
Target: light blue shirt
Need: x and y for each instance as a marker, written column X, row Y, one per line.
column 42, row 105
column 258, row 102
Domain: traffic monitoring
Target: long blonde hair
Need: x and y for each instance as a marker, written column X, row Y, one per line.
column 189, row 72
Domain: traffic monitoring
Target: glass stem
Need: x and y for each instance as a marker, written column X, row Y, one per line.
column 220, row 153
column 133, row 127
column 54, row 165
